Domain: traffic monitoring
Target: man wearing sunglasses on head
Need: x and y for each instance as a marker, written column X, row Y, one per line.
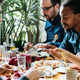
column 50, row 10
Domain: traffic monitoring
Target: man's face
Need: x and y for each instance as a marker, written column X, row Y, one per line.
column 69, row 19
column 51, row 12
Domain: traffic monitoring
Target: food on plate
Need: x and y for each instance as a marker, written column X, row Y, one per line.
column 55, row 64
column 39, row 63
column 30, row 45
column 22, row 69
column 40, row 70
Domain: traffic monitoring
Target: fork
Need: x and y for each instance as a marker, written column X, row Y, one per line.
column 54, row 40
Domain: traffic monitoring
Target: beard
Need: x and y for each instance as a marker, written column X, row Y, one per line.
column 51, row 16
column 67, row 30
column 48, row 17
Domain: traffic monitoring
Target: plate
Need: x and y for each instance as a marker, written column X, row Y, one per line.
column 36, row 63
column 61, row 69
column 55, row 63
column 42, row 73
column 63, row 77
column 42, row 54
column 54, row 72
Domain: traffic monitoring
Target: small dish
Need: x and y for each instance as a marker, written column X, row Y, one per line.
column 61, row 69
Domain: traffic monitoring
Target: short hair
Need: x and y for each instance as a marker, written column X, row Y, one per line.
column 55, row 2
column 74, row 5
column 1, row 1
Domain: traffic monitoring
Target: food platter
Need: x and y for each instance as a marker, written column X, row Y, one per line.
column 55, row 63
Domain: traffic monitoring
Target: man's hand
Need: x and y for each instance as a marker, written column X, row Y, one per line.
column 32, row 74
column 5, row 70
column 75, row 67
column 28, row 46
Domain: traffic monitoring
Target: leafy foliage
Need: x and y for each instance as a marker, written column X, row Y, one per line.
column 20, row 16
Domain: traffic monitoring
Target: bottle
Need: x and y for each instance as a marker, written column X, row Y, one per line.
column 12, row 47
column 7, row 42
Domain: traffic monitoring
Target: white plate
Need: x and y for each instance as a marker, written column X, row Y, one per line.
column 42, row 73
column 42, row 54
column 61, row 69
column 63, row 77
column 54, row 72
column 38, row 64
column 53, row 61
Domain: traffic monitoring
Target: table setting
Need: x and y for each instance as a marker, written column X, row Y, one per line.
column 49, row 68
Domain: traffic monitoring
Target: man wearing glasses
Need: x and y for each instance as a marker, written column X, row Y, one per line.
column 50, row 10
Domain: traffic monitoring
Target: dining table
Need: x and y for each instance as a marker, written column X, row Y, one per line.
column 56, row 76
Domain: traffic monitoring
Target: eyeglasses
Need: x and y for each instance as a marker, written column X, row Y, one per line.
column 47, row 8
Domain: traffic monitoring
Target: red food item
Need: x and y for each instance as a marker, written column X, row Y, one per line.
column 13, row 61
column 8, row 78
column 38, row 57
column 16, row 75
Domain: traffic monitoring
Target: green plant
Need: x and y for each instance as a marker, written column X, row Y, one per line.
column 20, row 16
column 19, row 43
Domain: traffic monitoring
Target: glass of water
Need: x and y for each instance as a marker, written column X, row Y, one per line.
column 48, row 70
column 21, row 62
column 2, row 54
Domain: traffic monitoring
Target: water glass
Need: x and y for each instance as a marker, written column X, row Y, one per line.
column 48, row 70
column 33, row 53
column 21, row 62
column 2, row 54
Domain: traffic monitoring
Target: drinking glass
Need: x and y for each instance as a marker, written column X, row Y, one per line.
column 48, row 70
column 71, row 74
column 21, row 62
column 33, row 53
column 2, row 54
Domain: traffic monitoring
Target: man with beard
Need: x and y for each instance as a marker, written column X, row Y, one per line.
column 50, row 10
column 70, row 14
